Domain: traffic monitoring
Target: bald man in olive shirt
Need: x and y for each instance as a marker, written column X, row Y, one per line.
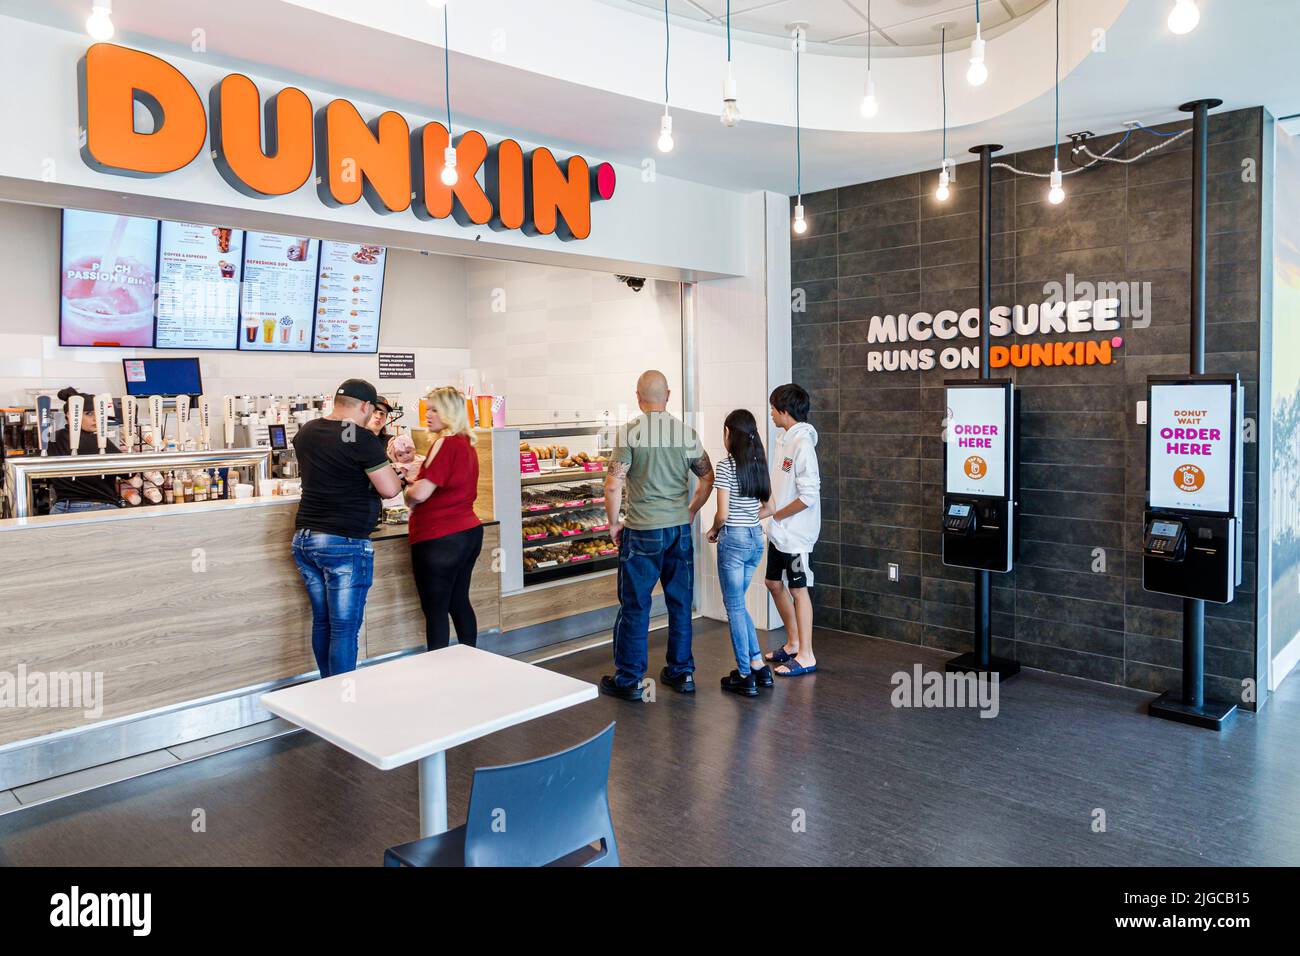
column 649, row 478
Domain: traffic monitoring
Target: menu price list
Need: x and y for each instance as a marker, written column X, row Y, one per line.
column 348, row 297
column 199, row 271
column 279, row 279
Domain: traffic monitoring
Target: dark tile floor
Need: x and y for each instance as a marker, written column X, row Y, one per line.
column 714, row 780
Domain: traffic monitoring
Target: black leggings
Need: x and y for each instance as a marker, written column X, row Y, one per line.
column 442, row 571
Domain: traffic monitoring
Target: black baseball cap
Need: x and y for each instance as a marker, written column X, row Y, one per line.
column 359, row 389
column 384, row 403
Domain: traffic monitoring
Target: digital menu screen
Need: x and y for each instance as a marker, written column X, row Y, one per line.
column 348, row 297
column 276, row 307
column 1191, row 444
column 199, row 269
column 107, row 281
column 976, row 438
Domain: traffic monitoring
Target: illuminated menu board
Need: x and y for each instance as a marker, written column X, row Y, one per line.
column 199, row 268
column 348, row 297
column 107, row 279
column 279, row 282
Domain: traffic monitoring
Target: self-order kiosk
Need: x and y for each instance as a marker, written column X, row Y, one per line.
column 980, row 482
column 1192, row 537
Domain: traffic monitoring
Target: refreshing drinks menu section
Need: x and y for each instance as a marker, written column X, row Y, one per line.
column 108, row 279
column 348, row 297
column 279, row 281
column 199, row 268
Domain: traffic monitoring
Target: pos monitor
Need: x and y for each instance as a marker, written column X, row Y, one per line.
column 1192, row 529
column 979, row 467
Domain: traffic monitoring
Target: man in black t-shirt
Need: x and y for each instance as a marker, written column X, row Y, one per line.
column 345, row 476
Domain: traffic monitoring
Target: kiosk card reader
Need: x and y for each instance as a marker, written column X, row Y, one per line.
column 1192, row 537
column 979, row 463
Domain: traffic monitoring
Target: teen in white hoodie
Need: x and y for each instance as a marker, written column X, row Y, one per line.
column 796, row 512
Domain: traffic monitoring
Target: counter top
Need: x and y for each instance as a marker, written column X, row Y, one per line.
column 164, row 511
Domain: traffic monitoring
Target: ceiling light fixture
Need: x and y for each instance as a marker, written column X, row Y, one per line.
column 869, row 105
column 449, row 175
column 1184, row 17
column 666, row 121
column 100, row 22
column 942, row 193
column 730, row 111
column 978, row 72
column 800, row 223
column 1055, row 192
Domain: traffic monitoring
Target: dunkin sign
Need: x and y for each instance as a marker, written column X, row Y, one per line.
column 393, row 167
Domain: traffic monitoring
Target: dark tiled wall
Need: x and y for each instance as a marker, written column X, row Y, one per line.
column 890, row 247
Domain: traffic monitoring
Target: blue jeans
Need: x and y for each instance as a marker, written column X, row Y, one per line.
column 337, row 572
column 739, row 552
column 66, row 506
column 644, row 557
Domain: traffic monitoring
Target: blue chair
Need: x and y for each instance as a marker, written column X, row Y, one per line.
column 544, row 812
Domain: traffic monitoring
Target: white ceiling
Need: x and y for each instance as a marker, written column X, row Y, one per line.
column 893, row 23
column 586, row 75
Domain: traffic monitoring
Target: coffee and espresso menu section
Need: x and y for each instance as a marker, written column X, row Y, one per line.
column 279, row 279
column 217, row 287
column 199, row 269
column 348, row 297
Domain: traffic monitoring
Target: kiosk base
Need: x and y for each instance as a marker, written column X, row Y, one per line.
column 1212, row 715
column 965, row 663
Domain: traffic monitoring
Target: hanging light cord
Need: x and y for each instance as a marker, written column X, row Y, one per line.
column 798, row 125
column 1101, row 157
column 943, row 86
column 446, row 67
column 977, row 12
column 666, row 47
column 1056, row 148
column 728, row 31
column 869, row 29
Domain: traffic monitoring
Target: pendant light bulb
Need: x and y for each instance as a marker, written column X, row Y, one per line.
column 978, row 72
column 869, row 105
column 1184, row 17
column 100, row 22
column 1056, row 193
column 730, row 111
column 449, row 175
column 665, row 132
column 942, row 193
column 800, row 223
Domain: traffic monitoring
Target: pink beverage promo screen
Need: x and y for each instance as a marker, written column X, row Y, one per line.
column 108, row 279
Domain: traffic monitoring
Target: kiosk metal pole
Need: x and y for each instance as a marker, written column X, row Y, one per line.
column 1192, row 707
column 1193, row 610
column 983, row 585
column 981, row 659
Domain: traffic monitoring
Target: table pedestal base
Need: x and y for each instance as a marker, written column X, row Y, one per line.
column 433, row 794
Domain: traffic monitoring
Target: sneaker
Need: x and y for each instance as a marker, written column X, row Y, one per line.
column 763, row 676
column 623, row 692
column 682, row 683
column 744, row 686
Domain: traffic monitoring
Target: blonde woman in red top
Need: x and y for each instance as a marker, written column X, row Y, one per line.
column 446, row 535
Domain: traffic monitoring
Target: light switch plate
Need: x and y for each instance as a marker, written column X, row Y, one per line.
column 893, row 572
column 1142, row 412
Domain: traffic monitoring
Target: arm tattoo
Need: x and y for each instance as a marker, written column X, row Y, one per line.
column 617, row 471
column 702, row 466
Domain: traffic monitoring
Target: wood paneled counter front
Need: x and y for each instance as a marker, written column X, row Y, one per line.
column 177, row 603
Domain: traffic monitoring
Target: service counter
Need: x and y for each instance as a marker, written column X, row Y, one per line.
column 179, row 604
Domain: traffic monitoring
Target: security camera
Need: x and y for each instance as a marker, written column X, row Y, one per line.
column 635, row 283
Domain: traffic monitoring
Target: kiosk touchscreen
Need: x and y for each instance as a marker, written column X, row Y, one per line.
column 1192, row 535
column 979, row 476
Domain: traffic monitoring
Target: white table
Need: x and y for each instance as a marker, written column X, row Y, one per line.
column 420, row 706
